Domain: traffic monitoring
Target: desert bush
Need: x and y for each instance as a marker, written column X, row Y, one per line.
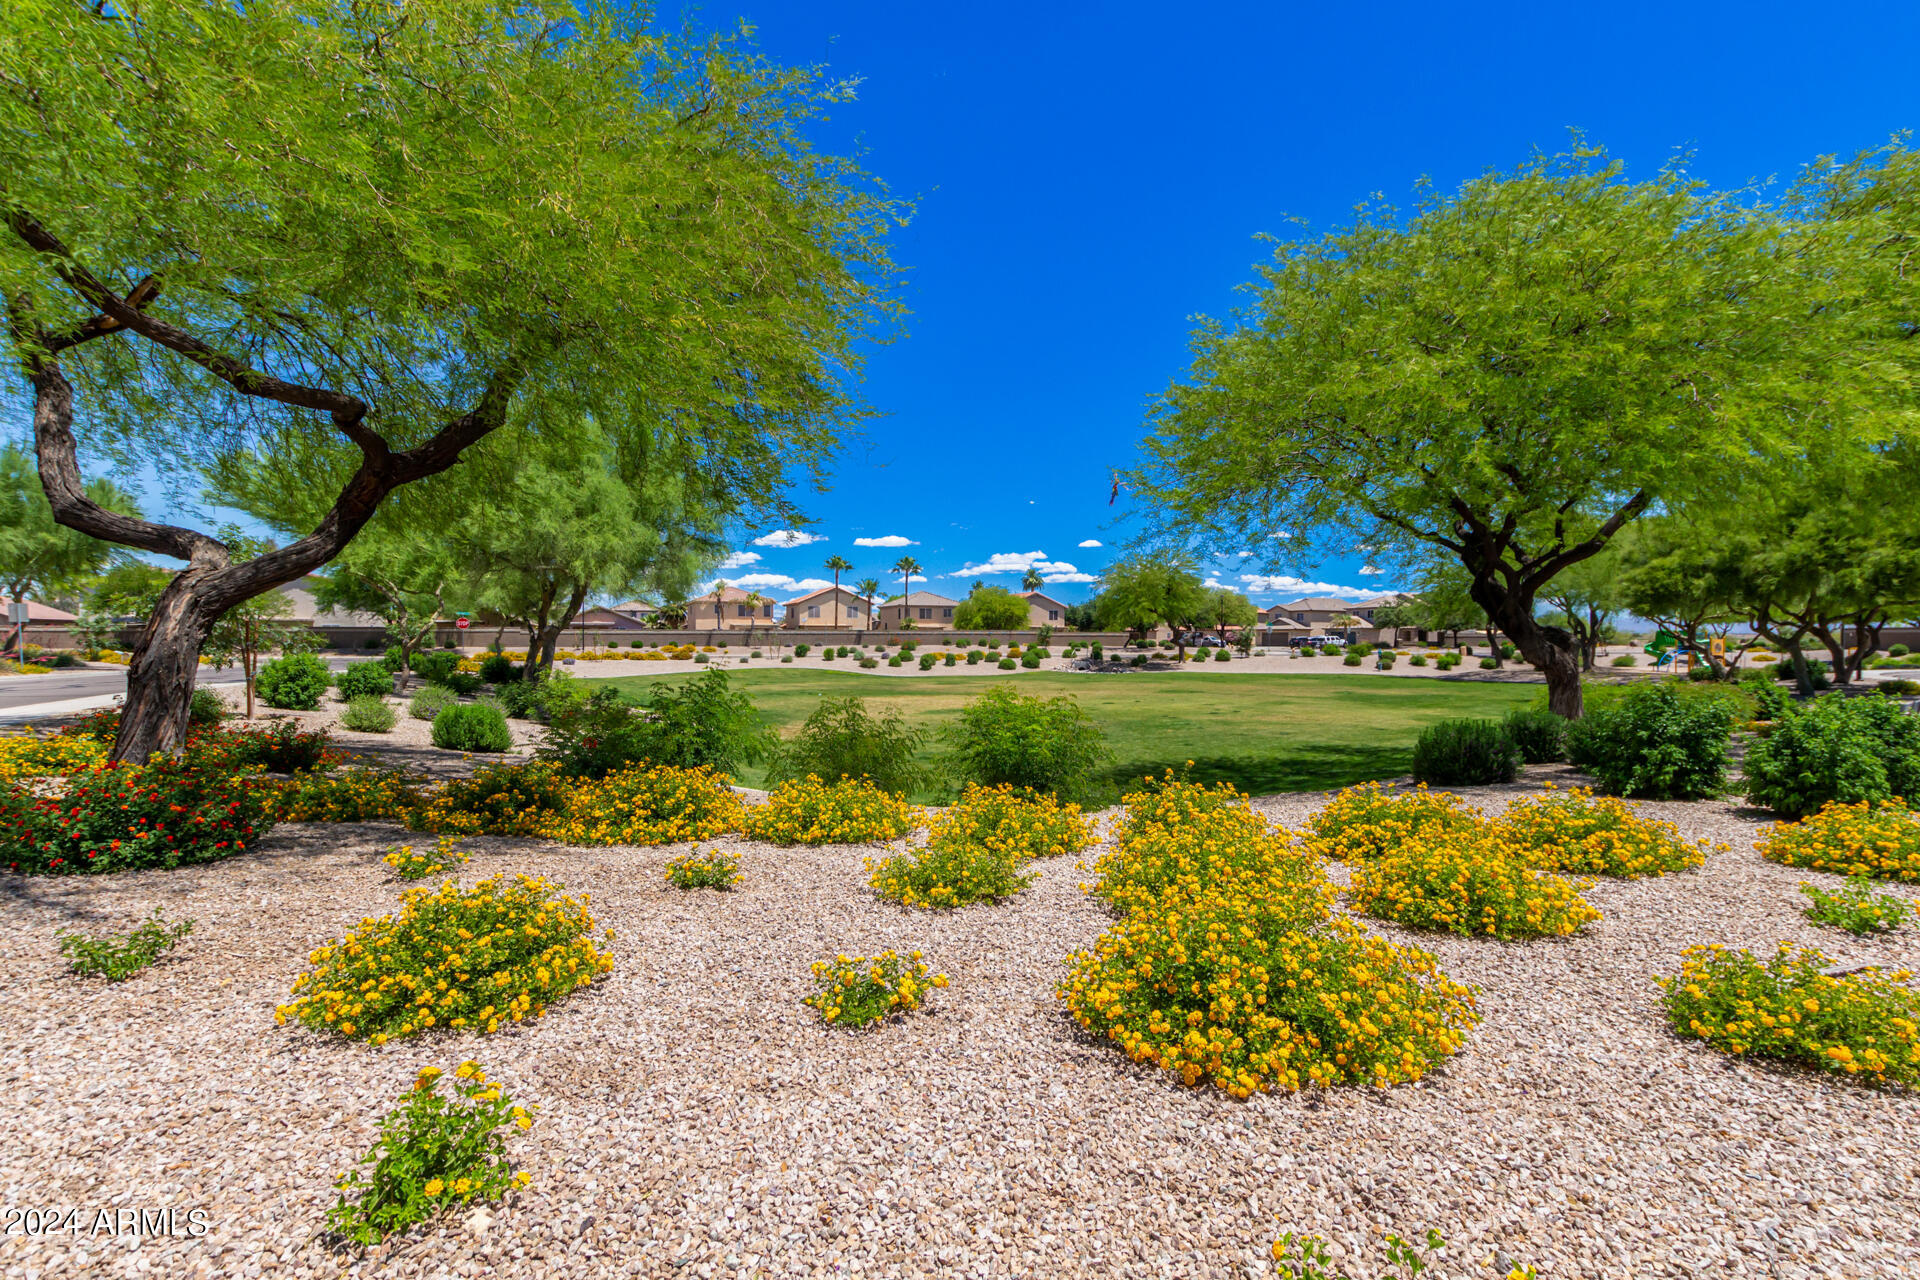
column 848, row 811
column 118, row 956
column 498, row 668
column 1489, row 663
column 1866, row 838
column 464, row 959
column 602, row 735
column 1897, row 651
column 645, row 805
column 710, row 870
column 411, row 864
column 704, row 724
column 950, row 659
column 1835, row 749
column 1857, row 907
column 974, row 656
column 1540, row 735
column 464, row 683
column 1022, row 824
column 498, row 799
column 802, row 649
column 1576, row 831
column 1041, row 744
column 1787, row 1007
column 206, row 708
column 471, row 727
column 434, row 1153
column 1030, row 660
column 1465, row 753
column 1329, row 650
column 435, row 666
column 935, row 877
column 857, row 991
column 1007, row 664
column 367, row 713
column 1656, row 742
column 1366, row 821
column 1472, row 884
column 1622, row 660
column 927, row 661
column 841, row 738
column 122, row 817
column 1417, row 660
column 346, row 795
column 294, row 682
column 364, row 678
column 431, row 701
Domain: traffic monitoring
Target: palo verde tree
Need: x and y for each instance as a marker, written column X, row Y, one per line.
column 992, row 608
column 40, row 557
column 1509, row 376
column 346, row 241
column 1139, row 593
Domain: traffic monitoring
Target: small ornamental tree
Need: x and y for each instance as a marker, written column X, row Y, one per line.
column 989, row 608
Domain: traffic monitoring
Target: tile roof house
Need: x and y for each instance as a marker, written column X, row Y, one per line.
column 1044, row 611
column 925, row 610
column 734, row 612
column 829, row 608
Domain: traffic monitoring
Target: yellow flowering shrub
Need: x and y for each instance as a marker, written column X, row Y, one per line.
column 710, row 870
column 1865, row 1023
column 30, row 756
column 467, row 959
column 645, row 805
column 1474, row 884
column 498, row 799
column 809, row 811
column 954, row 874
column 856, row 991
column 347, row 795
column 1368, row 820
column 1021, row 823
column 1580, row 832
column 1879, row 839
column 435, row 1152
column 410, row 864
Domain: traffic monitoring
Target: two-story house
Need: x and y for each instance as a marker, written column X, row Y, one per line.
column 925, row 610
column 828, row 608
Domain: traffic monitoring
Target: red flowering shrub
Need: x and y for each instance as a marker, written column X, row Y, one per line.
column 126, row 817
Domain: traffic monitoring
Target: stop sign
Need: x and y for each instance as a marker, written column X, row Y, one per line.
column 460, row 623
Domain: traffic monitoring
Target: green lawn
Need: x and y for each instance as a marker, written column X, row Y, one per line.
column 1263, row 733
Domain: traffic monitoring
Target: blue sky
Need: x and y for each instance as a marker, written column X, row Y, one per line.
column 1090, row 177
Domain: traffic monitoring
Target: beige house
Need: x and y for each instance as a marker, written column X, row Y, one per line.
column 1045, row 611
column 925, row 610
column 829, row 608
column 1316, row 614
column 734, row 612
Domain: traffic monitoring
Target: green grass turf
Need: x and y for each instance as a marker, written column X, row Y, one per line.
column 1262, row 733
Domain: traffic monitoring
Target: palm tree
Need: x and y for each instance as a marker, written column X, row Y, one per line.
column 869, row 588
column 837, row 565
column 754, row 601
column 1033, row 581
column 718, row 593
column 906, row 567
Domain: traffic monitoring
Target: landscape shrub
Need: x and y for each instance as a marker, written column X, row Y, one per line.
column 1417, row 660
column 1898, row 651
column 498, row 668
column 367, row 713
column 1030, row 660
column 1181, row 840
column 926, row 661
column 118, row 956
column 1351, row 660
column 974, row 656
column 646, row 805
column 1043, row 744
column 1465, row 753
column 1655, row 741
column 869, row 663
column 1387, row 659
column 1541, row 736
column 294, row 682
column 1368, row 820
column 431, row 701
column 28, row 755
column 1866, row 838
column 285, row 748
column 1472, row 884
column 1022, row 824
column 599, row 736
column 471, row 727
column 950, row 659
column 857, row 991
column 347, row 795
column 1898, row 688
column 848, row 811
column 433, row 1153
column 841, row 738
column 1489, row 663
column 464, row 683
column 206, row 708
column 710, row 870
column 411, row 864
column 1329, row 650
column 464, row 959
column 364, row 678
column 802, row 649
column 827, row 655
column 1138, row 660
column 1835, row 748
column 124, row 817
column 1576, row 831
column 1008, row 664
column 497, row 799
column 1622, row 660
column 956, row 874
column 1857, row 907
column 1786, row 1007
column 1507, row 651
column 434, row 666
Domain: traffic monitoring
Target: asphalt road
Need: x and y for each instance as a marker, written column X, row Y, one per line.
column 95, row 682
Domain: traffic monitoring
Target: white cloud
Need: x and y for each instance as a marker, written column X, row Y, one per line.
column 1016, row 562
column 1295, row 587
column 770, row 581
column 1092, row 542
column 1370, row 571
column 1283, row 535
column 1071, row 577
column 788, row 538
column 740, row 559
column 890, row 540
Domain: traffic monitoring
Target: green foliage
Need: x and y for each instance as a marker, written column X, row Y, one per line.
column 435, row 666
column 430, row 702
column 124, row 817
column 843, row 739
column 1622, row 660
column 1047, row 745
column 118, row 956
column 434, row 1153
column 991, row 608
column 1658, row 741
column 1858, row 907
column 1835, row 748
column 1465, row 753
column 206, row 708
column 367, row 713
column 713, row 869
column 1351, row 660
column 498, row 668
column 470, row 727
column 1141, row 593
column 365, row 678
column 40, row 557
column 703, row 723
column 1007, row 664
column 294, row 682
column 1540, row 735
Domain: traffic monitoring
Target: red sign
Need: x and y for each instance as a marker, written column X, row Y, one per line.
column 460, row 623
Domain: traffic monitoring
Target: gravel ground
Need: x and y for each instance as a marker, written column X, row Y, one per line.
column 696, row 1121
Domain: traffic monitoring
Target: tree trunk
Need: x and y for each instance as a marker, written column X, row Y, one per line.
column 1551, row 649
column 161, row 673
column 550, row 628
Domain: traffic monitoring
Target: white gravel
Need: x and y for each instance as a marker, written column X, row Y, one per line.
column 696, row 1121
